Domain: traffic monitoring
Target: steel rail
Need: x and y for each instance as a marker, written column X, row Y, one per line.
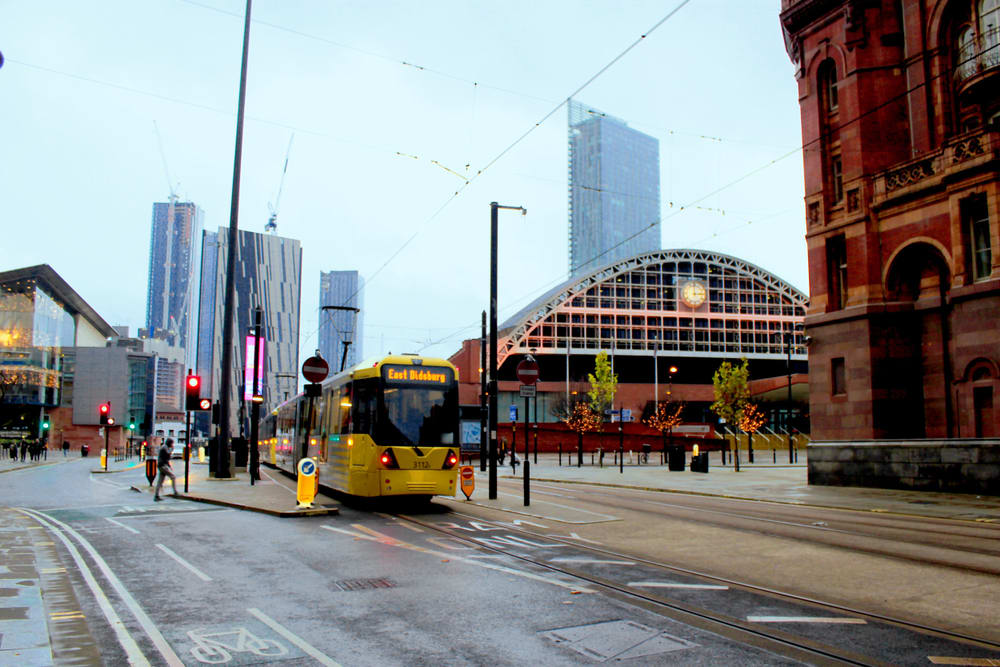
column 781, row 637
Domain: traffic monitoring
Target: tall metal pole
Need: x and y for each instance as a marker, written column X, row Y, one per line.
column 225, row 386
column 258, row 318
column 494, row 207
column 187, row 446
column 493, row 351
column 482, row 398
column 788, row 407
column 621, row 437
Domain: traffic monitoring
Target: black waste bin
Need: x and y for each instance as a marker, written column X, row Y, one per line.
column 241, row 452
column 699, row 463
column 84, row 450
column 675, row 457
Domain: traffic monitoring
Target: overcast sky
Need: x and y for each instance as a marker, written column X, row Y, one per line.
column 394, row 106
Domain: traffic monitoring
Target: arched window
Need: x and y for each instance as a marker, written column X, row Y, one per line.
column 966, row 53
column 827, row 84
column 989, row 32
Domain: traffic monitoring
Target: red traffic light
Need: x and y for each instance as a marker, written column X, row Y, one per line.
column 193, row 381
column 104, row 408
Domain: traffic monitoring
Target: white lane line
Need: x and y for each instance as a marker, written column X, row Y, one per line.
column 606, row 517
column 375, row 536
column 198, row 573
column 308, row 648
column 131, row 648
column 590, row 561
column 105, row 482
column 805, row 619
column 141, row 616
column 668, row 584
column 121, row 525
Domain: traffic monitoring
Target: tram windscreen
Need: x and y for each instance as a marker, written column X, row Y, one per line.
column 418, row 416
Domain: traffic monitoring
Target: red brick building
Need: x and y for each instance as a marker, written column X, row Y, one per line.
column 900, row 104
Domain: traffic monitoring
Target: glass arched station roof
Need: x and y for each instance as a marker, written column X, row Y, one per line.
column 678, row 302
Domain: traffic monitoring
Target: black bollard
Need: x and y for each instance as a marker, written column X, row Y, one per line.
column 527, row 483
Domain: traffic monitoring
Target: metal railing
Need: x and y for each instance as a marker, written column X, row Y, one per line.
column 981, row 53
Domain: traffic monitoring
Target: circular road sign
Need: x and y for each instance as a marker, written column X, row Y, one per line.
column 307, row 467
column 527, row 370
column 315, row 369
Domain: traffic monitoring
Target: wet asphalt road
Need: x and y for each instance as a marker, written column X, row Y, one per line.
column 180, row 583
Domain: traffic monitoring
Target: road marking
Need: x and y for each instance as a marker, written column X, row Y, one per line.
column 668, row 584
column 591, row 561
column 322, row 658
column 198, row 573
column 604, row 517
column 121, row 525
column 141, row 616
column 572, row 536
column 805, row 619
column 987, row 662
column 128, row 644
column 374, row 536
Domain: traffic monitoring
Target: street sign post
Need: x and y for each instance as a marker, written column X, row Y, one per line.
column 527, row 390
column 468, row 480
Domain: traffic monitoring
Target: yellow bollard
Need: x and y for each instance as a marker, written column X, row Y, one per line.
column 104, row 458
column 306, row 487
column 201, row 454
column 694, row 451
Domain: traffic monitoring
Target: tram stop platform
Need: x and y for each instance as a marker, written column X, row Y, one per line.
column 273, row 494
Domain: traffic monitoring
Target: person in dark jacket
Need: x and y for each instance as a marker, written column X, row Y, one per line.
column 165, row 468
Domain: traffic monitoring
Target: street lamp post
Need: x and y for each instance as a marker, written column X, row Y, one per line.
column 482, row 397
column 229, row 300
column 788, row 407
column 492, row 389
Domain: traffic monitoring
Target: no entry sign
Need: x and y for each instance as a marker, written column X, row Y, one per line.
column 315, row 369
column 527, row 370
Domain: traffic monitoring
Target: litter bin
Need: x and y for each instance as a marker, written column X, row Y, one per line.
column 84, row 450
column 241, row 452
column 699, row 463
column 675, row 457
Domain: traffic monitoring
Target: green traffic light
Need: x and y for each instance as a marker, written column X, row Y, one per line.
column 45, row 425
column 131, row 426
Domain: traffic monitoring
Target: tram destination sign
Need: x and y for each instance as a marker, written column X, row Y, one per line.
column 438, row 376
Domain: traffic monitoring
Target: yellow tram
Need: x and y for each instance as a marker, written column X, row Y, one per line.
column 388, row 428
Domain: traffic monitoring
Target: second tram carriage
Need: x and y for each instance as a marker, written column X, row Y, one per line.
column 388, row 428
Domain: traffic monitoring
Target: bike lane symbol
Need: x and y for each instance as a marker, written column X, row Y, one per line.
column 215, row 647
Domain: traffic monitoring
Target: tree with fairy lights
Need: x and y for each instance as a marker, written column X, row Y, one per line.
column 664, row 419
column 751, row 420
column 582, row 419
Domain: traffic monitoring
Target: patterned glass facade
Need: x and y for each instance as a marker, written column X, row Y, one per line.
column 269, row 275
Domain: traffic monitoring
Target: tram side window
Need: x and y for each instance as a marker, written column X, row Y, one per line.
column 365, row 404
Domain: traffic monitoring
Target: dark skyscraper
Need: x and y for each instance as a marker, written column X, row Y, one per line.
column 173, row 263
column 614, row 190
column 269, row 275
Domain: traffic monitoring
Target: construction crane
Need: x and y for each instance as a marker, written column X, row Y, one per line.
column 272, row 220
column 166, row 170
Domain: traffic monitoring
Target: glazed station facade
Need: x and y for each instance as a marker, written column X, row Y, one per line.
column 686, row 310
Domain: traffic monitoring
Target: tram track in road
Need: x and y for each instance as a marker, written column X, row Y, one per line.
column 960, row 544
column 715, row 618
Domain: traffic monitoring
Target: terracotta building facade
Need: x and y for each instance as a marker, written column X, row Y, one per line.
column 900, row 103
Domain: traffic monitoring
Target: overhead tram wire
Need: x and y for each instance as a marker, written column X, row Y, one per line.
column 517, row 141
column 803, row 147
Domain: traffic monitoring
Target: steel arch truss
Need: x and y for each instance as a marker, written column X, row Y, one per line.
column 749, row 310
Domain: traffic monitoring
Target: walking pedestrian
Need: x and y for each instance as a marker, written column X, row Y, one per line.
column 65, row 447
column 166, row 469
column 24, row 449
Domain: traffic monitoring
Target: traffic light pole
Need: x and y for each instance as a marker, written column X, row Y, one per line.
column 258, row 316
column 187, row 448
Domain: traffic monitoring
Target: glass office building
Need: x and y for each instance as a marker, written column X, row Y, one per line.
column 341, row 318
column 173, row 265
column 269, row 275
column 614, row 190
